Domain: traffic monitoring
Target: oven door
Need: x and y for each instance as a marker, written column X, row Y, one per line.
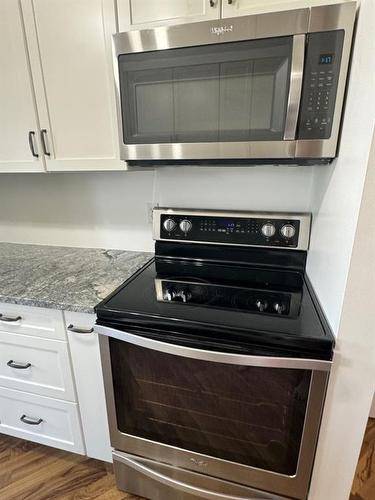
column 252, row 420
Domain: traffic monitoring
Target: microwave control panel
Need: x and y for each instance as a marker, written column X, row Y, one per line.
column 321, row 76
column 260, row 229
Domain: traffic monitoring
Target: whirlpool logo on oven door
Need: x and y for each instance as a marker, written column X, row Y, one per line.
column 221, row 30
column 201, row 463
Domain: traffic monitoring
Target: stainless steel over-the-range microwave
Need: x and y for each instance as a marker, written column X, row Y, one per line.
column 265, row 88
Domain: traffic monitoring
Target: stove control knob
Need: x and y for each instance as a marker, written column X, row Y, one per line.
column 261, row 305
column 170, row 295
column 183, row 296
column 169, row 225
column 279, row 308
column 288, row 231
column 185, row 226
column 268, row 230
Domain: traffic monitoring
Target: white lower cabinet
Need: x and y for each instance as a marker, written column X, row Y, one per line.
column 38, row 400
column 51, row 382
column 44, row 420
column 84, row 348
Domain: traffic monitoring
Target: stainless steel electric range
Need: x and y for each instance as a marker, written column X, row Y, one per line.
column 216, row 358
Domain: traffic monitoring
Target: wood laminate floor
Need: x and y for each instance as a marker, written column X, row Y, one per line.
column 364, row 480
column 29, row 471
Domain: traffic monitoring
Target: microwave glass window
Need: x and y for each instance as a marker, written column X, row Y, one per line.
column 214, row 93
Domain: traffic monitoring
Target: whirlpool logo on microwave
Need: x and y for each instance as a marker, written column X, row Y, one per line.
column 221, row 30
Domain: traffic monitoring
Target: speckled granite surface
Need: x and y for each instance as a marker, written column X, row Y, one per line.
column 73, row 279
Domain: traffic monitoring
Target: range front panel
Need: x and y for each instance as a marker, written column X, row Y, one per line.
column 233, row 228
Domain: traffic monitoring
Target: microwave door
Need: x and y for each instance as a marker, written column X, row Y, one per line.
column 230, row 101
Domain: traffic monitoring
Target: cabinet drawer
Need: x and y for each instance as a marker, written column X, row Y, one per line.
column 36, row 365
column 35, row 321
column 43, row 420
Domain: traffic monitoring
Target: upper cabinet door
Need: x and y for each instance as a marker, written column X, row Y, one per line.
column 139, row 14
column 234, row 8
column 18, row 119
column 71, row 60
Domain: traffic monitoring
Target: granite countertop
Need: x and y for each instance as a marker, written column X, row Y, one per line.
column 72, row 279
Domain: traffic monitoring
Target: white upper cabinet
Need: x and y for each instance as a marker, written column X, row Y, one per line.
column 69, row 43
column 18, row 118
column 138, row 14
column 234, row 8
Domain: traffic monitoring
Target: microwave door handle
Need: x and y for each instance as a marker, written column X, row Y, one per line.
column 214, row 356
column 295, row 87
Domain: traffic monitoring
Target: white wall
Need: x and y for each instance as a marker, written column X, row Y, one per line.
column 337, row 189
column 239, row 188
column 78, row 209
column 111, row 209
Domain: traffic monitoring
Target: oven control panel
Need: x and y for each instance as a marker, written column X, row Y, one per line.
column 233, row 228
column 322, row 68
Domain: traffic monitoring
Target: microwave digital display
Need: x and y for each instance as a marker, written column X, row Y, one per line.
column 326, row 58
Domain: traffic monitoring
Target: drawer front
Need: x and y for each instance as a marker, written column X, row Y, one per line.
column 42, row 420
column 37, row 365
column 35, row 321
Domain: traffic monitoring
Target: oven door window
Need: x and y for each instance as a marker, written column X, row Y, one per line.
column 223, row 92
column 249, row 415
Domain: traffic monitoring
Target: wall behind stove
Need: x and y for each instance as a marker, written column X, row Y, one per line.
column 112, row 209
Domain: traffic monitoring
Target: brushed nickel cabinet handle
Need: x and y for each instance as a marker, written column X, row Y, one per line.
column 31, row 421
column 43, row 138
column 84, row 331
column 31, row 144
column 9, row 319
column 18, row 366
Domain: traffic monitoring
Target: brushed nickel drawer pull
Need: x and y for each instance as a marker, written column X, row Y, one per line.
column 31, row 421
column 83, row 331
column 19, row 366
column 9, row 319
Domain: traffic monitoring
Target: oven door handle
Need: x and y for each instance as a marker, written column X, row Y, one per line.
column 214, row 356
column 174, row 483
column 295, row 87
